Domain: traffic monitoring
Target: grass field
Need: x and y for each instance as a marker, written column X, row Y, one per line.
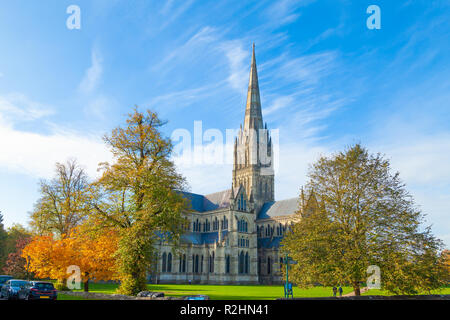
column 219, row 292
column 222, row 292
column 375, row 292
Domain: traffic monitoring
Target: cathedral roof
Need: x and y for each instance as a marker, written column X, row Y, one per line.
column 269, row 243
column 202, row 238
column 217, row 200
column 279, row 208
column 209, row 202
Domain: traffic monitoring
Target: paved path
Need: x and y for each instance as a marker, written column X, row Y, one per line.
column 351, row 294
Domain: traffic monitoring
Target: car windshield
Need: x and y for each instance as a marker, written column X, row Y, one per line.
column 18, row 283
column 44, row 286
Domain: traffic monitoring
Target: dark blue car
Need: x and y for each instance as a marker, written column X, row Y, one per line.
column 40, row 290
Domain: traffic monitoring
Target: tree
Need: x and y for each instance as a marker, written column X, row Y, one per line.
column 3, row 243
column 138, row 195
column 446, row 261
column 364, row 217
column 14, row 234
column 94, row 254
column 64, row 201
column 11, row 241
column 16, row 265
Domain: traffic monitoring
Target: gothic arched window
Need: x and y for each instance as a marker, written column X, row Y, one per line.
column 163, row 269
column 241, row 262
column 169, row 262
column 211, row 263
column 241, row 202
column 247, row 263
column 259, row 265
column 269, row 265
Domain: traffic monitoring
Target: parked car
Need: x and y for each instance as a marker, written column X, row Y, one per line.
column 37, row 290
column 196, row 297
column 3, row 279
column 14, row 289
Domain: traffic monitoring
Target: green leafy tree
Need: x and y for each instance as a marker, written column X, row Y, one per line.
column 446, row 261
column 3, row 243
column 363, row 217
column 137, row 194
column 14, row 233
column 64, row 201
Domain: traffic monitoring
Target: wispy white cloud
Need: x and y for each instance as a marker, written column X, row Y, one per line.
column 35, row 154
column 238, row 62
column 187, row 50
column 424, row 162
column 309, row 69
column 285, row 11
column 277, row 104
column 93, row 74
column 99, row 106
column 168, row 4
column 423, row 166
column 17, row 107
column 95, row 103
column 182, row 98
column 172, row 12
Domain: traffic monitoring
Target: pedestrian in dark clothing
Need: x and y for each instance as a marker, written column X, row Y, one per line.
column 340, row 291
column 334, row 291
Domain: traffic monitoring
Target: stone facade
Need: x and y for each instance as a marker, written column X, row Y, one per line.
column 234, row 235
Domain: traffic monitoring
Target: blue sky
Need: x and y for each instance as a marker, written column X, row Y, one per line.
column 326, row 81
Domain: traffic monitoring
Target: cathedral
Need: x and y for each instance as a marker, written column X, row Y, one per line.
column 233, row 236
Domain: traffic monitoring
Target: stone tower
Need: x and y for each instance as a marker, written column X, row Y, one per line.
column 253, row 161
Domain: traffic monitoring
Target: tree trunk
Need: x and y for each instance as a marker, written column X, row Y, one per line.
column 86, row 286
column 356, row 289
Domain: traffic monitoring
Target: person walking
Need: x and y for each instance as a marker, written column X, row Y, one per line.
column 334, row 291
column 340, row 291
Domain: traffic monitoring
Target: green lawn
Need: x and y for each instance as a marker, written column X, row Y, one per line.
column 62, row 296
column 375, row 292
column 222, row 292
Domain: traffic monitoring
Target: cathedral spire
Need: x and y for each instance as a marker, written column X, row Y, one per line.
column 253, row 114
column 253, row 165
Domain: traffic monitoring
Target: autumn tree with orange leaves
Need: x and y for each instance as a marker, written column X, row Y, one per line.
column 94, row 254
